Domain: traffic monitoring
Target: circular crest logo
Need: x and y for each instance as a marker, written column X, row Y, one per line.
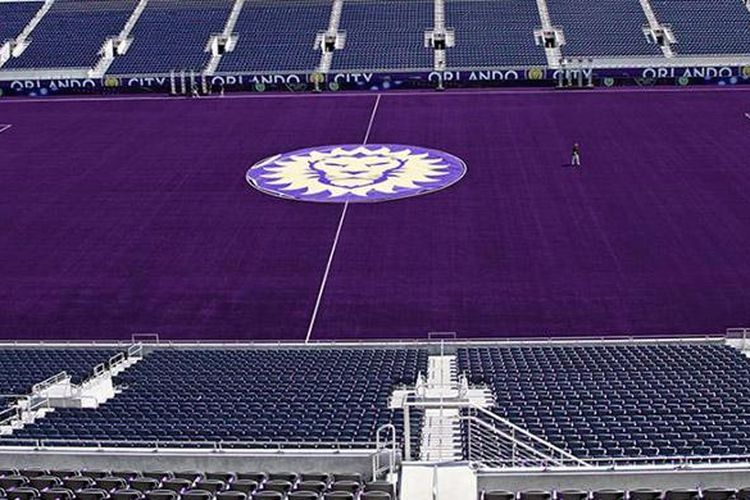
column 535, row 73
column 356, row 173
column 111, row 82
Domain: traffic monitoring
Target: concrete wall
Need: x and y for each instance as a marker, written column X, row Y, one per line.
column 664, row 479
column 235, row 461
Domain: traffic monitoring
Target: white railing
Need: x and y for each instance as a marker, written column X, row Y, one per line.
column 23, row 408
column 22, row 40
column 738, row 337
column 46, row 384
column 673, row 461
column 135, row 350
column 134, row 16
column 495, row 442
column 140, row 337
column 385, row 444
column 334, row 20
column 290, row 447
column 13, row 413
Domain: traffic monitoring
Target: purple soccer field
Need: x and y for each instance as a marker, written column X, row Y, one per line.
column 134, row 216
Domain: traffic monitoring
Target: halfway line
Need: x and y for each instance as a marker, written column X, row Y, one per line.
column 372, row 119
column 338, row 234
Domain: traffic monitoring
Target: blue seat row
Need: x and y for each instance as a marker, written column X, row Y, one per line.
column 706, row 27
column 172, row 35
column 72, row 33
column 317, row 396
column 622, row 400
column 277, row 36
column 605, row 29
column 492, row 33
column 15, row 16
column 385, row 35
column 20, row 368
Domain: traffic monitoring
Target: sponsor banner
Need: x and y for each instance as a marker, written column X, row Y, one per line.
column 299, row 82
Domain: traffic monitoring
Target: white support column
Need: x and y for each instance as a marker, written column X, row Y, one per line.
column 5, row 52
column 541, row 6
column 227, row 34
column 554, row 54
column 441, row 59
column 656, row 26
column 118, row 45
column 21, row 41
column 128, row 28
column 233, row 16
column 334, row 21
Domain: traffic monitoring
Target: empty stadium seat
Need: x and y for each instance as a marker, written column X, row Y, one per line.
column 493, row 33
column 383, row 486
column 322, row 397
column 57, row 494
column 375, row 495
column 602, row 29
column 385, row 35
column 197, row 495
column 172, row 35
column 608, row 495
column 72, row 33
column 277, row 36
column 15, row 16
column 126, row 494
column 572, row 495
column 717, row 494
column 706, row 27
column 246, row 486
column 92, row 494
column 303, row 495
column 21, row 368
column 498, row 495
column 607, row 401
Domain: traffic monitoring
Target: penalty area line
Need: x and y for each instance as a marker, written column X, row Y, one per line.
column 327, row 271
column 4, row 127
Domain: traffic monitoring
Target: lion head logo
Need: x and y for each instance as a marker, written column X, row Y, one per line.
column 356, row 173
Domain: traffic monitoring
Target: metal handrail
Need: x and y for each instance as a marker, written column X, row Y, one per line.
column 9, row 414
column 54, row 379
column 336, row 446
column 550, row 459
column 519, row 430
column 116, row 359
column 135, row 350
column 666, row 460
column 385, row 445
column 715, row 337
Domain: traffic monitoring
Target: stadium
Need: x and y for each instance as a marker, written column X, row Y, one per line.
column 374, row 249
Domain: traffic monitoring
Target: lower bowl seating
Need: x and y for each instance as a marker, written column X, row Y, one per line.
column 166, row 485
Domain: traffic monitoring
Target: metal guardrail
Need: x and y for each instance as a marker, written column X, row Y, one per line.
column 674, row 460
column 496, row 442
column 385, row 443
column 45, row 384
column 9, row 415
column 135, row 350
column 215, row 446
column 738, row 334
column 390, row 343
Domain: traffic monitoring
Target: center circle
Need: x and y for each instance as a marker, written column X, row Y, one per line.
column 356, row 173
